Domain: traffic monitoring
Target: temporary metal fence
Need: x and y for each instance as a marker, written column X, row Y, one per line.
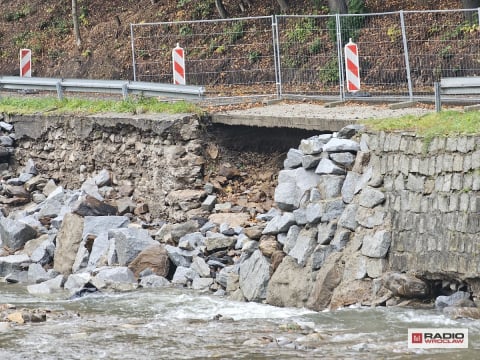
column 401, row 53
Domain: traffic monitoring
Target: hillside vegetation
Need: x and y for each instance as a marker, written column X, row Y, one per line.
column 45, row 26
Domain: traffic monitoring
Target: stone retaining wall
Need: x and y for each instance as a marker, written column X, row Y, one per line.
column 155, row 154
column 432, row 189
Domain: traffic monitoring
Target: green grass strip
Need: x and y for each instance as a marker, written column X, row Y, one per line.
column 18, row 105
column 444, row 123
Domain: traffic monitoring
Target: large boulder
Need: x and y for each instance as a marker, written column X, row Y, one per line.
column 328, row 278
column 292, row 187
column 405, row 285
column 254, row 276
column 68, row 240
column 129, row 242
column 290, row 284
column 14, row 234
column 154, row 257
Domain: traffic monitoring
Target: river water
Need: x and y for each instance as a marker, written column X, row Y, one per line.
column 170, row 323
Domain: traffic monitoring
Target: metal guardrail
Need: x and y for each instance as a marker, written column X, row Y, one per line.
column 122, row 87
column 456, row 86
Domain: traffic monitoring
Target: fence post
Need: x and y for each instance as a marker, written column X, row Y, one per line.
column 340, row 56
column 133, row 53
column 438, row 102
column 407, row 58
column 276, row 55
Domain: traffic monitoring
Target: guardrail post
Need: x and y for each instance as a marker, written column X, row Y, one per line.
column 125, row 91
column 58, row 85
column 438, row 101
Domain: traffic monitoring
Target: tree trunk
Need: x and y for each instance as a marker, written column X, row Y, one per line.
column 76, row 28
column 283, row 4
column 338, row 6
column 221, row 9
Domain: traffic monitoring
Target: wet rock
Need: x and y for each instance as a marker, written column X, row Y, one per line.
column 129, row 242
column 254, row 276
column 13, row 263
column 90, row 206
column 114, row 276
column 37, row 274
column 351, row 293
column 154, row 281
column 14, row 234
column 457, row 299
column 76, row 282
column 68, row 241
column 47, row 287
column 154, row 257
column 406, row 286
column 200, row 283
column 290, row 284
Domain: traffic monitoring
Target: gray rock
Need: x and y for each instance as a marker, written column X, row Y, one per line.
column 290, row 285
column 458, row 299
column 328, row 167
column 184, row 275
column 76, row 282
column 250, row 246
column 30, row 167
column 349, row 185
column 370, row 218
column 348, row 217
column 349, row 131
column 355, row 267
column 13, row 263
column 370, row 197
column 344, row 159
column 171, row 233
column 314, row 144
column 98, row 254
column 376, row 267
column 90, row 188
column 320, row 255
column 292, row 187
column 6, row 126
column 37, row 274
column 44, row 253
column 290, row 239
column 216, row 241
column 47, row 287
column 341, row 239
column 129, row 242
column 330, row 186
column 363, row 180
column 300, row 216
column 154, row 281
column 96, row 225
column 223, row 275
column 225, row 229
column 326, row 232
column 191, row 241
column 200, row 266
column 179, row 256
column 254, row 276
column 200, row 283
column 209, row 203
column 310, row 161
column 313, row 213
column 115, row 275
column 306, row 242
column 68, row 241
column 103, row 178
column 81, row 260
column 279, row 224
column 341, row 145
column 14, row 234
column 332, row 209
column 269, row 215
column 377, row 246
column 294, row 159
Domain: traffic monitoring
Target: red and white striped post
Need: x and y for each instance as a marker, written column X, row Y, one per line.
column 353, row 70
column 25, row 63
column 178, row 56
